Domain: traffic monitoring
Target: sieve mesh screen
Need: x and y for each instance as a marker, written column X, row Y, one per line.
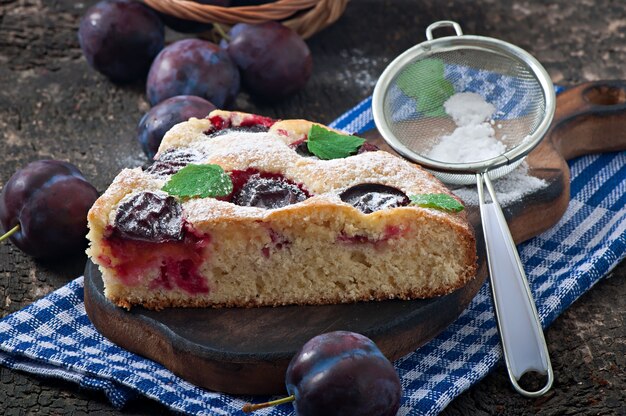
column 413, row 102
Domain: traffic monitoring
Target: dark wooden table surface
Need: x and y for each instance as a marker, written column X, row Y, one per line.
column 52, row 105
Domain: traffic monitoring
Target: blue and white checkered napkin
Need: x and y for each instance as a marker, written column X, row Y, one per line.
column 54, row 338
column 511, row 96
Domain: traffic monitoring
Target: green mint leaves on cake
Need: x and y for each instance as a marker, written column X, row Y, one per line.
column 199, row 181
column 442, row 202
column 327, row 144
column 425, row 82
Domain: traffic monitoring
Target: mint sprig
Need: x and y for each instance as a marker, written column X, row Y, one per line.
column 327, row 144
column 442, row 202
column 199, row 181
column 425, row 82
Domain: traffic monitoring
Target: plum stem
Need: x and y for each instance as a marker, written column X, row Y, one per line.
column 221, row 32
column 249, row 407
column 9, row 233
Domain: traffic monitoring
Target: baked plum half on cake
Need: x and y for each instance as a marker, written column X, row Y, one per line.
column 241, row 210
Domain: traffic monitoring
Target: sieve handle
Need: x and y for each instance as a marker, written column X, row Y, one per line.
column 523, row 343
column 443, row 23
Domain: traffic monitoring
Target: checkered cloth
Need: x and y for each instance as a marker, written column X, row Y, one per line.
column 54, row 338
column 511, row 96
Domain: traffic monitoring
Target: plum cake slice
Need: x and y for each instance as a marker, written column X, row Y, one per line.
column 240, row 210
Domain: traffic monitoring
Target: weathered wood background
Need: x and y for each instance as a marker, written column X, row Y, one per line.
column 52, row 105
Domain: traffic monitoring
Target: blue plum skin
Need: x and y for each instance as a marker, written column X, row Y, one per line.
column 120, row 38
column 274, row 60
column 190, row 26
column 163, row 116
column 50, row 200
column 193, row 67
column 343, row 373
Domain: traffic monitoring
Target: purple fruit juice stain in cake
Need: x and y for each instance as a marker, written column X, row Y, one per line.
column 177, row 262
column 148, row 233
column 372, row 197
column 278, row 242
column 182, row 274
column 173, row 160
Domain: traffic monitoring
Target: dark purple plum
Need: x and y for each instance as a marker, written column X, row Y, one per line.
column 147, row 216
column 274, row 60
column 268, row 193
column 193, row 67
column 49, row 200
column 163, row 116
column 191, row 26
column 371, row 197
column 173, row 160
column 343, row 373
column 120, row 38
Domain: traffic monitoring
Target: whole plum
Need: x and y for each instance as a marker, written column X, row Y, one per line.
column 163, row 116
column 193, row 67
column 191, row 26
column 343, row 373
column 49, row 200
column 274, row 60
column 120, row 38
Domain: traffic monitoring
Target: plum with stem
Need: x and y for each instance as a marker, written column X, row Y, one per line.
column 340, row 373
column 44, row 206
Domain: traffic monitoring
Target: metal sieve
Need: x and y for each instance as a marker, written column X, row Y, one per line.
column 407, row 108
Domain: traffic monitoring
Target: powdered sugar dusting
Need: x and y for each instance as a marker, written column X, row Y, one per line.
column 359, row 69
column 267, row 151
column 474, row 138
column 242, row 150
column 322, row 176
column 469, row 108
column 509, row 189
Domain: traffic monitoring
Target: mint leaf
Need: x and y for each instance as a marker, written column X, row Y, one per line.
column 442, row 202
column 199, row 181
column 327, row 144
column 420, row 74
column 430, row 102
column 425, row 82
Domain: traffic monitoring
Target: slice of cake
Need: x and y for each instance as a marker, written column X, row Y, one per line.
column 242, row 210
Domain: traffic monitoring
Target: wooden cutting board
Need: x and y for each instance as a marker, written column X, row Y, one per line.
column 246, row 351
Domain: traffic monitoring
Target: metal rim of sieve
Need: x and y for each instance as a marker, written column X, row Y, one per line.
column 506, row 272
column 463, row 173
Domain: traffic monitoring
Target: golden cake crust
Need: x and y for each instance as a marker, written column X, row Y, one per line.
column 323, row 213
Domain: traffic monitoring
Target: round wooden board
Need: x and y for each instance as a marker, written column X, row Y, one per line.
column 246, row 351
